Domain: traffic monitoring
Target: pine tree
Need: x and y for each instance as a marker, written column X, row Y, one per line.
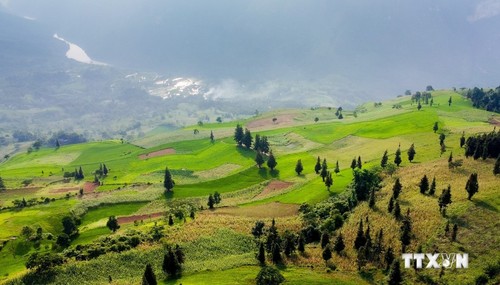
column 211, row 201
column 419, row 106
column 259, row 160
column 58, row 145
column 317, row 167
column 217, row 198
column 360, row 236
column 2, row 185
column 390, row 207
column 449, row 101
column 411, row 152
column 435, row 128
column 325, row 239
column 328, row 181
column 472, row 185
column 397, row 159
column 378, row 248
column 149, row 277
column 496, row 168
column 271, row 162
column 212, row 137
column 405, row 232
column 371, row 201
column 289, row 243
column 395, row 277
column 397, row 210
column 447, row 228
column 462, row 140
column 247, row 139
column 104, row 169
column 432, row 190
column 276, row 254
column 444, row 200
column 80, row 173
column 299, row 168
column 442, row 137
column 112, row 224
column 388, row 257
column 353, row 163
column 450, row 158
column 238, row 134
column 168, row 182
column 327, row 254
column 261, row 256
column 385, row 158
column 396, row 189
column 339, row 245
column 358, row 163
column 170, row 220
column 337, row 168
column 171, row 265
column 257, row 145
column 454, row 232
column 324, row 170
column 301, row 244
column 424, row 184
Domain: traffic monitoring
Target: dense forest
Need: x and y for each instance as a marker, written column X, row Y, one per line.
column 488, row 100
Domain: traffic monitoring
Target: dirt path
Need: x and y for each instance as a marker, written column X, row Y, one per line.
column 162, row 152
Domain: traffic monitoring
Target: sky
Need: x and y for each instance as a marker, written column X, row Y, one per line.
column 376, row 48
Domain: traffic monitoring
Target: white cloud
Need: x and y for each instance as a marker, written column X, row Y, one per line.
column 485, row 9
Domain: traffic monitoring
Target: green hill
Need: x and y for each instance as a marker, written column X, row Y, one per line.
column 218, row 244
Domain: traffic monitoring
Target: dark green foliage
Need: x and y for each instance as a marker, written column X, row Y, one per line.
column 395, row 277
column 301, row 244
column 168, row 182
column 273, row 238
column 69, row 225
column 378, row 247
column 397, row 158
column 298, row 167
column 405, row 232
column 339, row 245
column 442, row 137
column 261, row 256
column 171, row 264
column 435, row 128
column 289, row 243
column 424, row 184
column 371, row 201
column 149, row 277
column 359, row 164
column 317, row 167
column 444, row 200
column 432, row 190
column 462, row 140
column 104, row 169
column 247, row 139
column 360, row 236
column 42, row 263
column 353, row 163
column 269, row 276
column 2, row 185
column 211, row 201
column 212, row 137
column 238, row 134
column 390, row 206
column 276, row 254
column 419, row 106
column 361, row 259
column 217, row 198
column 363, row 182
column 271, row 162
column 449, row 101
column 324, row 170
column 411, row 152
column 325, row 239
column 328, row 181
column 258, row 229
column 383, row 161
column 496, row 168
column 472, row 185
column 489, row 100
column 112, row 224
column 327, row 254
column 63, row 240
column 396, row 189
column 454, row 232
column 337, row 168
column 397, row 210
column 58, row 145
column 259, row 160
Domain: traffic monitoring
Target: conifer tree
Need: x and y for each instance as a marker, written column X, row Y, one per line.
column 171, row 265
column 390, row 206
column 424, row 184
column 450, row 158
column 149, row 277
column 325, row 239
column 360, row 236
column 359, row 163
column 454, row 232
column 328, row 180
column 317, row 167
column 337, row 168
column 444, row 200
column 2, row 185
column 298, row 167
column 212, row 137
column 271, row 162
column 301, row 244
column 419, row 106
column 261, row 256
column 411, row 152
column 385, row 158
column 211, row 201
column 371, row 201
column 353, row 163
column 276, row 254
column 170, row 220
column 112, row 223
column 449, row 101
column 58, row 145
column 432, row 190
column 395, row 277
column 388, row 257
column 104, row 169
column 289, row 243
column 339, row 245
column 247, row 139
column 435, row 128
column 397, row 158
column 397, row 210
column 405, row 232
column 496, row 168
column 396, row 189
column 472, row 185
column 168, row 182
column 462, row 140
column 217, row 198
column 80, row 173
column 378, row 247
column 324, row 170
column 327, row 254
column 238, row 134
column 442, row 137
column 259, row 160
column 257, row 145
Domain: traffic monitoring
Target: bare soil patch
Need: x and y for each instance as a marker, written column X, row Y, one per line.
column 494, row 121
column 273, row 186
column 89, row 187
column 271, row 210
column 162, row 152
column 131, row 219
column 281, row 120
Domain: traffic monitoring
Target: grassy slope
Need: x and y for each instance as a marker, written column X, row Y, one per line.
column 196, row 159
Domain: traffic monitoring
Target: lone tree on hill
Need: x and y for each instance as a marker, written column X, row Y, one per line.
column 419, row 106
column 472, row 185
column 435, row 128
column 259, row 160
column 383, row 161
column 58, row 145
column 112, row 224
column 444, row 200
column 424, row 184
column 271, row 162
column 397, row 159
column 168, row 182
column 149, row 277
column 317, row 167
column 449, row 101
column 411, row 152
column 299, row 168
column 337, row 168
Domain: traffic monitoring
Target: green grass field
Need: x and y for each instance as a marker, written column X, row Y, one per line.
column 218, row 245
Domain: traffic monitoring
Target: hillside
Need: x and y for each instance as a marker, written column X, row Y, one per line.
column 218, row 244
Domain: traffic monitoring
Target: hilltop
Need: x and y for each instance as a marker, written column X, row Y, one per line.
column 218, row 244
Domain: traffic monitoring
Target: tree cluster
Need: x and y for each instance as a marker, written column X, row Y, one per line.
column 369, row 250
column 483, row 145
column 213, row 200
column 489, row 100
column 244, row 137
column 173, row 260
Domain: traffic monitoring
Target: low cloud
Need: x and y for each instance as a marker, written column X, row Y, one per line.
column 485, row 9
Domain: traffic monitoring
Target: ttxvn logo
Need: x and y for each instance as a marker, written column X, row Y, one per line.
column 437, row 260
